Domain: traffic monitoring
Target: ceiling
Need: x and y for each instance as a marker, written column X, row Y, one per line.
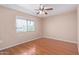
column 30, row 8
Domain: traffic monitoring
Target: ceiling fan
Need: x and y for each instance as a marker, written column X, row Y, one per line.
column 42, row 10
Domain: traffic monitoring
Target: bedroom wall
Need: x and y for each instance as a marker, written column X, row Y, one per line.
column 78, row 26
column 61, row 27
column 8, row 35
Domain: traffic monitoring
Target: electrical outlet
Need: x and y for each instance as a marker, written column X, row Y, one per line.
column 1, row 41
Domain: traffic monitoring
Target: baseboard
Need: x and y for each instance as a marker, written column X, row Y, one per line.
column 20, row 43
column 60, row 40
column 32, row 40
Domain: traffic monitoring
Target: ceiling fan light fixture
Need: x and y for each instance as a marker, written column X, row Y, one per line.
column 42, row 10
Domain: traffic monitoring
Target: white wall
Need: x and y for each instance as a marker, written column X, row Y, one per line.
column 8, row 35
column 78, row 26
column 61, row 27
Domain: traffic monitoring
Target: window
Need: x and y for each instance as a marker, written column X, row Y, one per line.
column 31, row 25
column 23, row 25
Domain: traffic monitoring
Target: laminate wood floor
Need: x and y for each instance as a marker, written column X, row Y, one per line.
column 42, row 46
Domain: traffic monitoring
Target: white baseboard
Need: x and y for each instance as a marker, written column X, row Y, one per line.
column 60, row 40
column 19, row 43
column 34, row 39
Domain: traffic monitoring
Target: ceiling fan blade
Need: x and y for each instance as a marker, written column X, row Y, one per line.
column 49, row 9
column 41, row 7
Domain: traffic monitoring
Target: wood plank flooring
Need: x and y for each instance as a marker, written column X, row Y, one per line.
column 42, row 46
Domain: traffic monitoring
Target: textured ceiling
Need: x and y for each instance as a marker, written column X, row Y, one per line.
column 30, row 8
